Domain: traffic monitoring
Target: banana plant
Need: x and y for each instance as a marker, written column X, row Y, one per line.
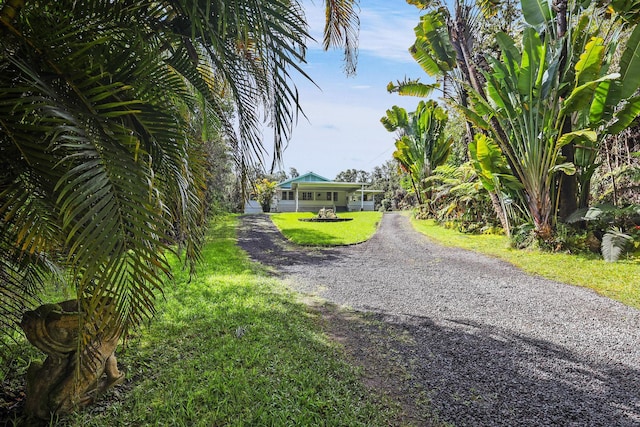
column 544, row 95
column 610, row 106
column 421, row 145
column 495, row 176
column 522, row 96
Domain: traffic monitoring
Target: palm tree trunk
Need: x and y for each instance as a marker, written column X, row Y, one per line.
column 568, row 202
column 415, row 188
column 568, row 185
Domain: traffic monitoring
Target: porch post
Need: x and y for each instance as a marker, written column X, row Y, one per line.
column 362, row 198
column 296, row 198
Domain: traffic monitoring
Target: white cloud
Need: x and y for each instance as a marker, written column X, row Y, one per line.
column 384, row 32
column 344, row 129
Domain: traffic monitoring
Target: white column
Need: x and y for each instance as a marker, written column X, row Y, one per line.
column 362, row 198
column 296, row 199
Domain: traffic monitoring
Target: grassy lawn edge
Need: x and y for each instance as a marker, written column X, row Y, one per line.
column 360, row 229
column 619, row 281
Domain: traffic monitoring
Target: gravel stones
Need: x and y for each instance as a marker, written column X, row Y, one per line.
column 487, row 344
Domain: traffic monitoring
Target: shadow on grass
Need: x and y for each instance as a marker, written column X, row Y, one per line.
column 237, row 353
column 471, row 374
column 228, row 351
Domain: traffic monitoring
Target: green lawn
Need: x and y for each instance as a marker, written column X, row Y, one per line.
column 620, row 280
column 232, row 347
column 360, row 229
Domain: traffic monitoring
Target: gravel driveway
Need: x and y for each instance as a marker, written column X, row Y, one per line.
column 481, row 343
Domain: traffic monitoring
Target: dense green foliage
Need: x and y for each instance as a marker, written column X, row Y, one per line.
column 421, row 144
column 548, row 100
column 458, row 200
column 360, row 229
column 555, row 90
column 106, row 113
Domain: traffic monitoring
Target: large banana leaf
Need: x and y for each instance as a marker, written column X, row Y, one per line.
column 590, row 63
column 581, row 96
column 625, row 116
column 537, row 13
column 630, row 64
column 608, row 95
column 487, row 160
column 412, row 87
column 533, row 57
column 433, row 49
column 396, row 118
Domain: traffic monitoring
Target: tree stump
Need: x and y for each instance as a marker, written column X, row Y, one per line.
column 72, row 374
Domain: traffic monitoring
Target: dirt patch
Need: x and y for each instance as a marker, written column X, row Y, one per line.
column 372, row 345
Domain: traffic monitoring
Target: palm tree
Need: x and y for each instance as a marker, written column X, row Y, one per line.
column 422, row 144
column 104, row 106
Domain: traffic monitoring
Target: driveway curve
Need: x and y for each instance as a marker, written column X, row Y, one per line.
column 484, row 343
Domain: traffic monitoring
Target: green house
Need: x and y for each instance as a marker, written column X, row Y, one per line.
column 311, row 192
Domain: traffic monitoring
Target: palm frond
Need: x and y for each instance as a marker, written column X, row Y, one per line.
column 341, row 30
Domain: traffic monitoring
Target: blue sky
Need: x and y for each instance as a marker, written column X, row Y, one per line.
column 343, row 130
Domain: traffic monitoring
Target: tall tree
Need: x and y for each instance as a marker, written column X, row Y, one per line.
column 352, row 175
column 533, row 91
column 104, row 107
column 450, row 44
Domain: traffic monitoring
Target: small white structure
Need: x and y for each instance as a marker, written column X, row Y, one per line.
column 311, row 192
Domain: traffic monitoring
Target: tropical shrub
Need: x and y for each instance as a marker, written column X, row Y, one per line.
column 616, row 228
column 264, row 190
column 459, row 200
column 422, row 144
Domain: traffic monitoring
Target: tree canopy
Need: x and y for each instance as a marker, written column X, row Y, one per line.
column 104, row 109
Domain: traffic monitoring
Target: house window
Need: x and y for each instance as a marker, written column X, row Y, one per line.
column 335, row 196
column 307, row 195
column 329, row 195
column 287, row 195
